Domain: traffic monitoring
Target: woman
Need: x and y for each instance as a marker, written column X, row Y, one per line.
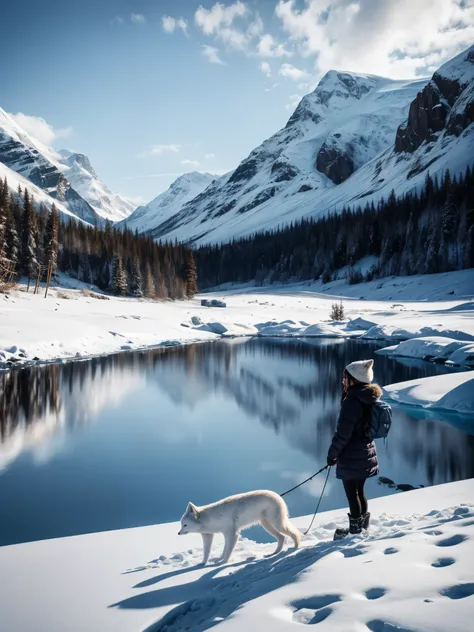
column 352, row 448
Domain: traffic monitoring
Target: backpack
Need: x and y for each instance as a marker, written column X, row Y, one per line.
column 380, row 420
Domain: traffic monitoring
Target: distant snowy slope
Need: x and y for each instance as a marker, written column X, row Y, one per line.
column 80, row 173
column 351, row 141
column 64, row 176
column 168, row 203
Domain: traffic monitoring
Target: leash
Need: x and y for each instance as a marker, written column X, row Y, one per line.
column 306, row 481
column 326, row 467
column 319, row 501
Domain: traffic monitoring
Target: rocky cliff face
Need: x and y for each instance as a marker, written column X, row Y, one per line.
column 445, row 104
column 335, row 162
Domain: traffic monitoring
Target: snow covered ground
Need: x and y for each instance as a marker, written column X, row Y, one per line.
column 413, row 572
column 75, row 322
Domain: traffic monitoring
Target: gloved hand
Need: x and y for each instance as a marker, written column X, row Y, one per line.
column 331, row 462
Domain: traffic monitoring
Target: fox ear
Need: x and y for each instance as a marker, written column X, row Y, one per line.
column 193, row 509
column 370, row 364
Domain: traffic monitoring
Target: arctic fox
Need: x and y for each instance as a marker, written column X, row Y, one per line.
column 230, row 515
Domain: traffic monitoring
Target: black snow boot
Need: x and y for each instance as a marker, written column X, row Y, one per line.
column 365, row 518
column 355, row 527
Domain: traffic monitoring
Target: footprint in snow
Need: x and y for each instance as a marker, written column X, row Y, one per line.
column 390, row 551
column 460, row 591
column 315, row 609
column 443, row 561
column 375, row 593
column 454, row 540
column 377, row 625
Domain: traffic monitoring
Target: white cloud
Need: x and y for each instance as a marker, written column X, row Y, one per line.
column 191, row 163
column 293, row 102
column 39, row 129
column 265, row 68
column 267, row 47
column 137, row 18
column 210, row 21
column 157, row 150
column 211, row 53
column 210, row 156
column 118, row 19
column 396, row 38
column 291, row 72
column 170, row 24
column 275, row 85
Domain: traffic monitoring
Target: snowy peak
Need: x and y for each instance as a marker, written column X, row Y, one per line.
column 335, row 86
column 65, row 176
column 80, row 159
column 167, row 204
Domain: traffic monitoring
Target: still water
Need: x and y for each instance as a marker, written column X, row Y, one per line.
column 128, row 440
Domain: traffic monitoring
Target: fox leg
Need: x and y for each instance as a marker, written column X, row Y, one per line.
column 275, row 533
column 231, row 538
column 207, row 539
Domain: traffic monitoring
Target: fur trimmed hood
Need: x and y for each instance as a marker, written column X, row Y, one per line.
column 366, row 393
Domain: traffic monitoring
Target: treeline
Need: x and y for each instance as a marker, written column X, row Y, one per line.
column 426, row 232
column 35, row 242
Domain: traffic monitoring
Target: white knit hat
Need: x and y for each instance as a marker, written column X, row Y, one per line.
column 361, row 371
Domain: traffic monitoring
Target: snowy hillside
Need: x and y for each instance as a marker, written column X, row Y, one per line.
column 14, row 180
column 351, row 141
column 168, row 203
column 412, row 572
column 64, row 176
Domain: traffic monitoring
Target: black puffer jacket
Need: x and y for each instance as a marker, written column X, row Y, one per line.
column 356, row 454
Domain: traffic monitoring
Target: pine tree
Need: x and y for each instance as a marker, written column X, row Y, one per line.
column 51, row 244
column 136, row 279
column 431, row 263
column 118, row 283
column 3, row 230
column 148, row 285
column 469, row 249
column 12, row 251
column 29, row 263
column 191, row 276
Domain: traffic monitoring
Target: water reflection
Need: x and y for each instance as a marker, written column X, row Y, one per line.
column 109, row 427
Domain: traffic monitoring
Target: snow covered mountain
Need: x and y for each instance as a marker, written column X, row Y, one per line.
column 351, row 141
column 66, row 177
column 80, row 173
column 168, row 203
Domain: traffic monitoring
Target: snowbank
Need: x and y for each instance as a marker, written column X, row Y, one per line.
column 77, row 321
column 413, row 572
column 453, row 391
column 436, row 348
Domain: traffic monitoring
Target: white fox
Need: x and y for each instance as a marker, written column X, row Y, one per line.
column 230, row 515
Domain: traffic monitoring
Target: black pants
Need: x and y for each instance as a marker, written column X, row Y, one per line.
column 355, row 495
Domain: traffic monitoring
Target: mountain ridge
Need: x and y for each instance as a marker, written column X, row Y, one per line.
column 66, row 177
column 186, row 187
column 337, row 148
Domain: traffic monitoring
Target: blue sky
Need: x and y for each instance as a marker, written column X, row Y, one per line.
column 151, row 89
